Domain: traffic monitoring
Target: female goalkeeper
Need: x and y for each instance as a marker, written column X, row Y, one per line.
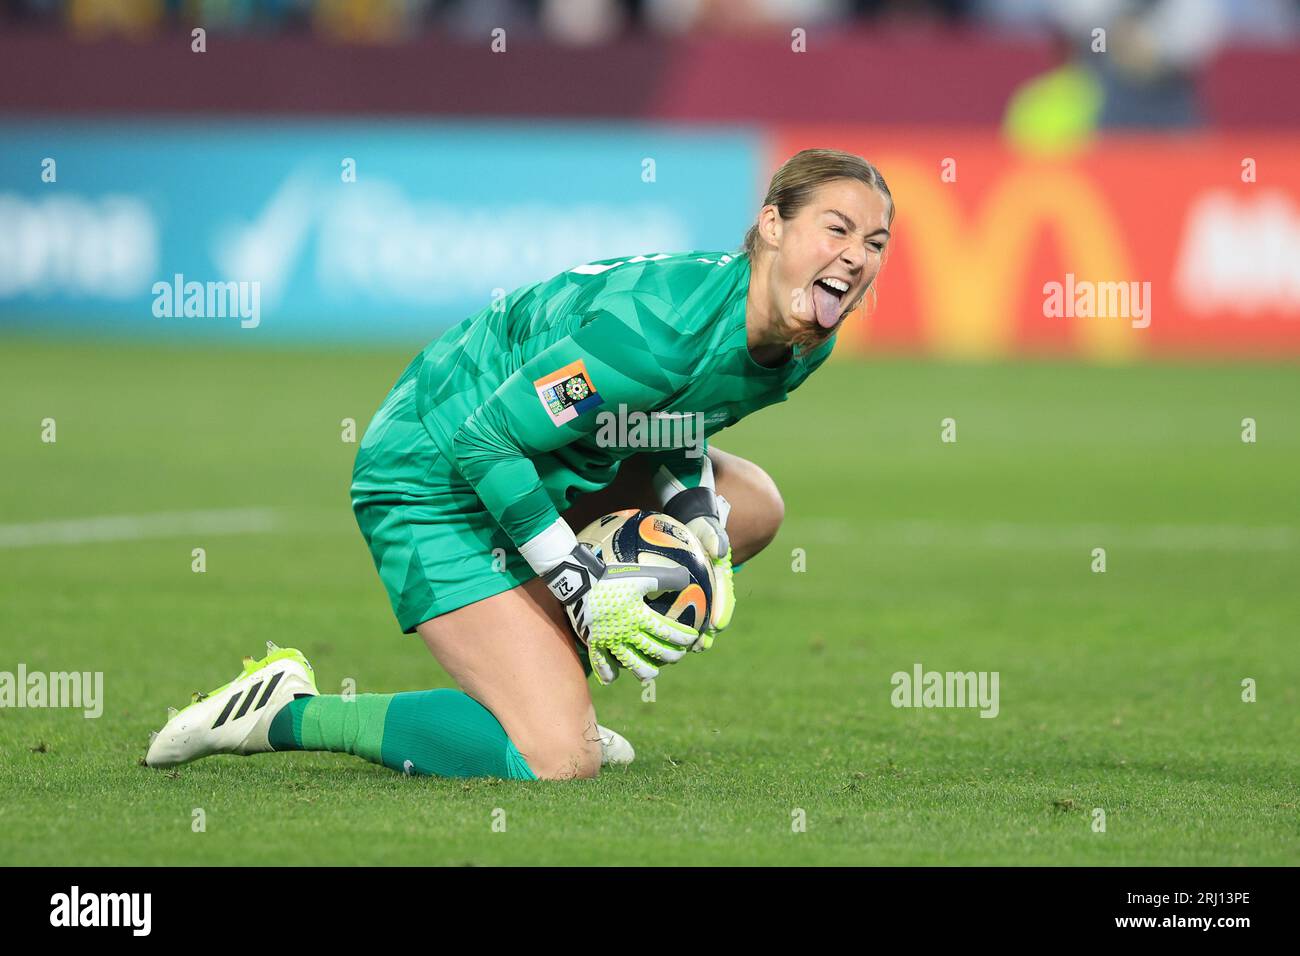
column 494, row 430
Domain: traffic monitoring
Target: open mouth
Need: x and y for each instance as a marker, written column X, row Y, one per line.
column 828, row 296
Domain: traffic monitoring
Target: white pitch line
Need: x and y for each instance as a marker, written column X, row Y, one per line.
column 164, row 524
column 1191, row 537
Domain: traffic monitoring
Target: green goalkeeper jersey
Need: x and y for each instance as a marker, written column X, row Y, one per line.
column 537, row 399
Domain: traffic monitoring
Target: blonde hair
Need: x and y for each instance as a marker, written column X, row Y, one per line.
column 792, row 186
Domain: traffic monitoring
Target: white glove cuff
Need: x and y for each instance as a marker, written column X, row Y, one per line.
column 548, row 548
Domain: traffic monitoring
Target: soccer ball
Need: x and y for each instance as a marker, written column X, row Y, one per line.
column 632, row 536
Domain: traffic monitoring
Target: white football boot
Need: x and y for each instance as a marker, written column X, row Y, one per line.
column 614, row 747
column 236, row 717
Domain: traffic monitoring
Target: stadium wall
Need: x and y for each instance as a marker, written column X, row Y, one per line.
column 849, row 75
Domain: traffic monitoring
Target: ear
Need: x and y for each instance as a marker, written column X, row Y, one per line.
column 769, row 224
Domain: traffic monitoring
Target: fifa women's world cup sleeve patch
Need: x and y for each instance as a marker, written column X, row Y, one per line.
column 567, row 392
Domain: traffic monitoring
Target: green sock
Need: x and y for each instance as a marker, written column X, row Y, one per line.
column 439, row 733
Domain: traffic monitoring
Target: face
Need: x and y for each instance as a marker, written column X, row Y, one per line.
column 827, row 256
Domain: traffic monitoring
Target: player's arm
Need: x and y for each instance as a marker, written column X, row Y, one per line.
column 552, row 400
column 608, row 361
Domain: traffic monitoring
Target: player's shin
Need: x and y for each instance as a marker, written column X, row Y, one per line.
column 443, row 733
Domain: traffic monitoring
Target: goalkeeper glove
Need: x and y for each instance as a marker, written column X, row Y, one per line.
column 705, row 513
column 606, row 606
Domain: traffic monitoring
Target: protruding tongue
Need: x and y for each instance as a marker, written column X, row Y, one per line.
column 827, row 306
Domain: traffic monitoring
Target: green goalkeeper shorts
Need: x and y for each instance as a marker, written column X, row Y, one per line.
column 434, row 544
column 436, row 552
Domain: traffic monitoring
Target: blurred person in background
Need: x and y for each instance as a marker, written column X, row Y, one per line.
column 726, row 16
column 1154, row 51
column 1128, row 63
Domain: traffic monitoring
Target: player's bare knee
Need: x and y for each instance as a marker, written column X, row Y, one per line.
column 566, row 760
column 767, row 509
column 572, row 766
column 775, row 510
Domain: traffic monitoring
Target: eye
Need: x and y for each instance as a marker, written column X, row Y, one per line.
column 877, row 246
column 838, row 230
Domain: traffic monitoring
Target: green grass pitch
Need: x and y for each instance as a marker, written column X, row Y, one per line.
column 1119, row 690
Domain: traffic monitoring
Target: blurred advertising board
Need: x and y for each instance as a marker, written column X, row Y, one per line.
column 1136, row 246
column 356, row 231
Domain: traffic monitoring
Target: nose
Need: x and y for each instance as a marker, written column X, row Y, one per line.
column 854, row 256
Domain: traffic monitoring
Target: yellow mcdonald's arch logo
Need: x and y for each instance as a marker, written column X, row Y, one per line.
column 970, row 274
